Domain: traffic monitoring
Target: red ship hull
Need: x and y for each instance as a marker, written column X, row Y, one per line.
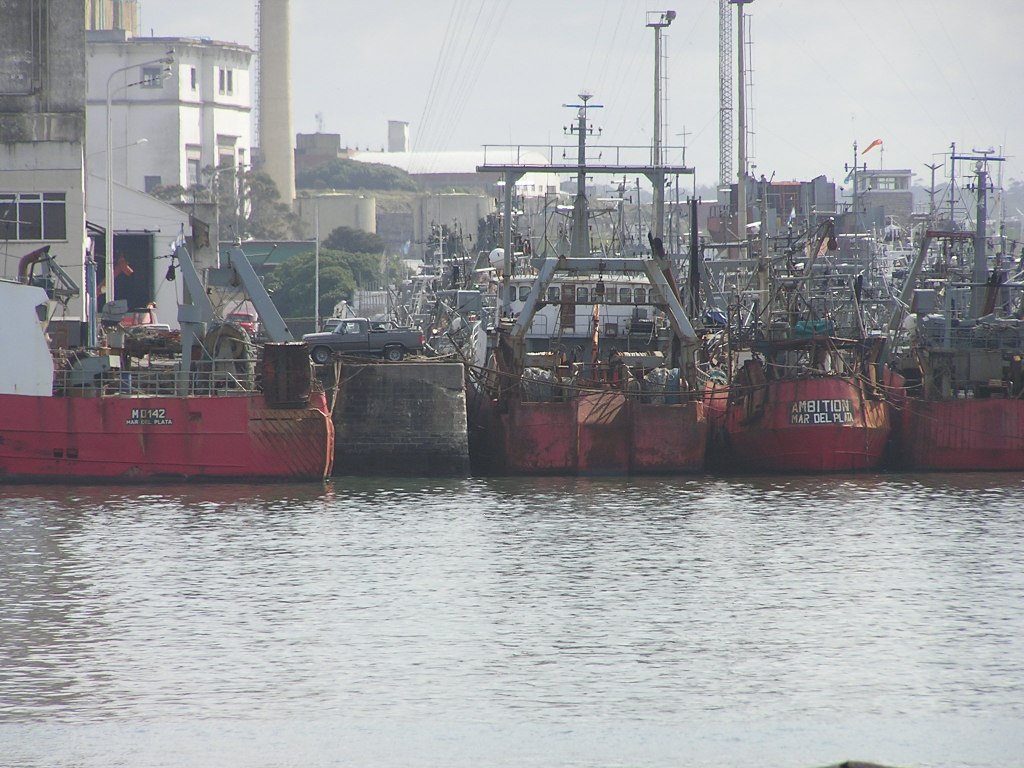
column 600, row 433
column 135, row 439
column 961, row 435
column 823, row 424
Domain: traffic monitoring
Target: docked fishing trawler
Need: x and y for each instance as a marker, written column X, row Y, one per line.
column 598, row 405
column 962, row 408
column 211, row 413
column 627, row 413
column 800, row 388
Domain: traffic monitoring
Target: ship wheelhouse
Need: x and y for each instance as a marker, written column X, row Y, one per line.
column 624, row 307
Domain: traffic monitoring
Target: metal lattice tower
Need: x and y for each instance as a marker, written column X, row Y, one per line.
column 725, row 77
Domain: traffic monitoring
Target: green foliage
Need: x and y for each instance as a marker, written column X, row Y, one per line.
column 266, row 217
column 351, row 174
column 341, row 274
column 353, row 241
column 291, row 283
column 260, row 215
column 173, row 193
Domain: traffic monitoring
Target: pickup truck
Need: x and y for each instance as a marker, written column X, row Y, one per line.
column 359, row 336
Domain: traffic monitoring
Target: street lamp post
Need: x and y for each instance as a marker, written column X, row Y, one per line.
column 316, row 268
column 109, row 234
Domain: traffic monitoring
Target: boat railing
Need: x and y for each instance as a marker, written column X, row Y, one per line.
column 560, row 157
column 1002, row 335
column 228, row 378
column 567, row 383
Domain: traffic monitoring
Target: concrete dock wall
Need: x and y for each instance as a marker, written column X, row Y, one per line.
column 401, row 419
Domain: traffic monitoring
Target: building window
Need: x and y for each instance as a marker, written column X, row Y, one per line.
column 195, row 79
column 193, row 156
column 226, row 81
column 152, row 182
column 33, row 216
column 226, row 150
column 152, row 77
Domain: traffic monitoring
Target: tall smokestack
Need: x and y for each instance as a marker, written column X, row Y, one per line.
column 275, row 96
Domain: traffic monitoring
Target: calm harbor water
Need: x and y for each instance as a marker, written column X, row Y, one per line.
column 789, row 622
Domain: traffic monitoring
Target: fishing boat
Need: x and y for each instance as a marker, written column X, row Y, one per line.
column 787, row 412
column 959, row 347
column 210, row 412
column 626, row 413
column 801, row 387
column 568, row 388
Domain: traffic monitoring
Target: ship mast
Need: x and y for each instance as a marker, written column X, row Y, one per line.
column 979, row 275
column 980, row 258
column 662, row 20
column 579, row 244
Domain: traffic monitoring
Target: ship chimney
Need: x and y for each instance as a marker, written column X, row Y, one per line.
column 275, row 96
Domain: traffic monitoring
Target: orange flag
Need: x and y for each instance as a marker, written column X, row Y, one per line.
column 872, row 145
column 122, row 267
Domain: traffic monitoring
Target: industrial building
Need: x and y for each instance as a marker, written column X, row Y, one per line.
column 42, row 138
column 178, row 108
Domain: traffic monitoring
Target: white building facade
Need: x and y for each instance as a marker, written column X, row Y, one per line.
column 170, row 124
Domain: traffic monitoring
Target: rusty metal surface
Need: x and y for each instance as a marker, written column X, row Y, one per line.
column 132, row 439
column 600, row 433
column 668, row 438
column 961, row 435
column 822, row 424
column 539, row 438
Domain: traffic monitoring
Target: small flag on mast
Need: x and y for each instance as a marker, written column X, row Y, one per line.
column 872, row 145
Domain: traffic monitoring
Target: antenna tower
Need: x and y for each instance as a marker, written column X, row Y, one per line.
column 725, row 66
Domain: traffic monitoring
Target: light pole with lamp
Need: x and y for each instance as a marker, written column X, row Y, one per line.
column 109, row 234
column 316, row 268
column 136, row 143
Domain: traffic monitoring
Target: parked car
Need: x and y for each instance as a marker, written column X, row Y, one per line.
column 358, row 336
column 247, row 320
column 142, row 316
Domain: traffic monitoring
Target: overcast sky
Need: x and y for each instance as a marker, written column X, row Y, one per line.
column 918, row 74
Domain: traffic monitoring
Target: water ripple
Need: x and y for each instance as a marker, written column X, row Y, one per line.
column 794, row 620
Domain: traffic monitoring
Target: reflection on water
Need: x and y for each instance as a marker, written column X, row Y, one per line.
column 792, row 621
